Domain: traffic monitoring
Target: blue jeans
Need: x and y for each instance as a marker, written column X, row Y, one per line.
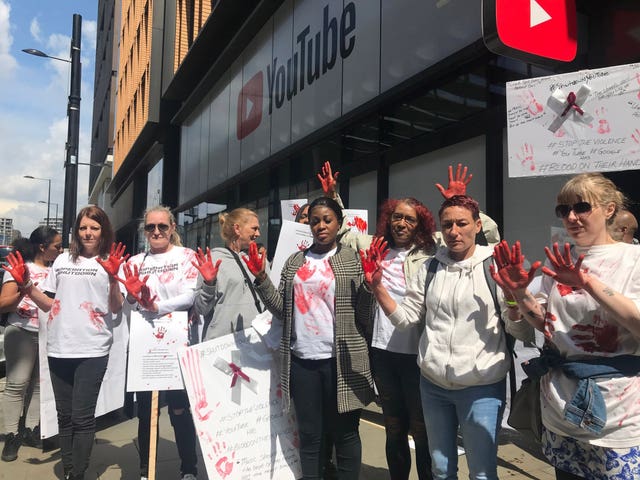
column 478, row 412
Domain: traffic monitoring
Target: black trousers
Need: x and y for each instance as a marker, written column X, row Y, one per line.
column 76, row 384
column 183, row 429
column 397, row 377
column 313, row 387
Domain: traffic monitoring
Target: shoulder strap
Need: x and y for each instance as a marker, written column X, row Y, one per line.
column 247, row 279
column 486, row 264
column 431, row 271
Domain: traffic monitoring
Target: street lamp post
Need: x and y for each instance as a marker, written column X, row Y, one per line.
column 48, row 193
column 73, row 129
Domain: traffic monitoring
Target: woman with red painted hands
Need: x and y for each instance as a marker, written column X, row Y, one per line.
column 588, row 309
column 167, row 285
column 463, row 354
column 82, row 295
column 324, row 305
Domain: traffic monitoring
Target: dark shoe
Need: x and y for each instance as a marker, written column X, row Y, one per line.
column 31, row 438
column 330, row 471
column 11, row 446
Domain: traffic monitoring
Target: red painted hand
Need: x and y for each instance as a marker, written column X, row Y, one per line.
column 116, row 258
column 205, row 265
column 132, row 281
column 17, row 268
column 147, row 301
column 564, row 270
column 372, row 260
column 328, row 180
column 510, row 274
column 255, row 260
column 457, row 185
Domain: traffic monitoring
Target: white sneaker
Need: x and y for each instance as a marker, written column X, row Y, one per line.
column 189, row 476
column 143, row 478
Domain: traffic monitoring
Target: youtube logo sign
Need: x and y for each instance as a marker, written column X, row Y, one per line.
column 536, row 31
column 250, row 106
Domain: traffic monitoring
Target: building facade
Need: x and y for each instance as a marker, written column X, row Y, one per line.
column 239, row 103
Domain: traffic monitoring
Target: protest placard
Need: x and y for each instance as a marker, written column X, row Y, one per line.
column 290, row 208
column 575, row 122
column 356, row 219
column 293, row 238
column 234, row 390
column 155, row 342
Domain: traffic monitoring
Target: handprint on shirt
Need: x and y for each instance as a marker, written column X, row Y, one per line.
column 96, row 317
column 598, row 337
column 55, row 310
column 166, row 277
column 306, row 271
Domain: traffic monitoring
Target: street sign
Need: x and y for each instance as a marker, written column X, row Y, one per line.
column 535, row 31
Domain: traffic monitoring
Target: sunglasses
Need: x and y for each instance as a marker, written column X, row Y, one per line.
column 151, row 227
column 580, row 208
column 398, row 217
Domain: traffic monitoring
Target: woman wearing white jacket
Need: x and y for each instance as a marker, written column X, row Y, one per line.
column 462, row 353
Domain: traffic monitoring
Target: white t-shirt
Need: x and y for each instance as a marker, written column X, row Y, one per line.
column 172, row 277
column 314, row 292
column 579, row 328
column 80, row 323
column 385, row 335
column 26, row 315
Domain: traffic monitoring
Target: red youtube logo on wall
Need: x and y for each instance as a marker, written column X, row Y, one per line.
column 250, row 106
column 537, row 31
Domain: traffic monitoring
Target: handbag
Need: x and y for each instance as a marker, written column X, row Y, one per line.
column 525, row 413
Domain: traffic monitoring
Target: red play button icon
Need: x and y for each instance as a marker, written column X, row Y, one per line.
column 250, row 106
column 531, row 30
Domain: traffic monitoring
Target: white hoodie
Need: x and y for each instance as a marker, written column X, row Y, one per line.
column 463, row 343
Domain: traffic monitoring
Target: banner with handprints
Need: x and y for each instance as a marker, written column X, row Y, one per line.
column 575, row 122
column 293, row 238
column 356, row 220
column 153, row 347
column 234, row 390
column 290, row 208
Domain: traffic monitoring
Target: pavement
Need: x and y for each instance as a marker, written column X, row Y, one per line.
column 115, row 453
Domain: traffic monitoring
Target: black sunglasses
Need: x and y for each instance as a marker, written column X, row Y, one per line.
column 579, row 208
column 151, row 227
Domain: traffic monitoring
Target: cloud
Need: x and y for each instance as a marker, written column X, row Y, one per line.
column 35, row 30
column 7, row 61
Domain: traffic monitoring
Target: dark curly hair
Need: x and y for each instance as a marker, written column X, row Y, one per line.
column 423, row 233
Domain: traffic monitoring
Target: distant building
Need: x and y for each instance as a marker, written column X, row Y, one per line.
column 6, row 231
column 53, row 223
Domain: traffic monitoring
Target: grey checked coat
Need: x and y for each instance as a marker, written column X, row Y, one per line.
column 354, row 308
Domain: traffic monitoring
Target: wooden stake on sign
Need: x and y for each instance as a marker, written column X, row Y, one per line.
column 153, row 436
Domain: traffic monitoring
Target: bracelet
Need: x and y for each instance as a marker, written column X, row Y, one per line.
column 511, row 303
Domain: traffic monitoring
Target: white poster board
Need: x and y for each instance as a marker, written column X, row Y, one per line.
column 290, row 208
column 550, row 133
column 155, row 342
column 293, row 238
column 234, row 390
column 357, row 220
column 111, row 395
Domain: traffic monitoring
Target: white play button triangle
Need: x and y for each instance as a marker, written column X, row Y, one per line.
column 250, row 105
column 538, row 14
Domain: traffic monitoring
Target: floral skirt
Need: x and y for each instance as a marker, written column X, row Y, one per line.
column 590, row 461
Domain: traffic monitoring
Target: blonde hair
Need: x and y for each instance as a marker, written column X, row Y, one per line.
column 175, row 236
column 594, row 188
column 237, row 216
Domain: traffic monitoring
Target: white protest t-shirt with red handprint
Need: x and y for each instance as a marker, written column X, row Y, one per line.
column 385, row 335
column 172, row 277
column 26, row 314
column 581, row 328
column 80, row 323
column 314, row 292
